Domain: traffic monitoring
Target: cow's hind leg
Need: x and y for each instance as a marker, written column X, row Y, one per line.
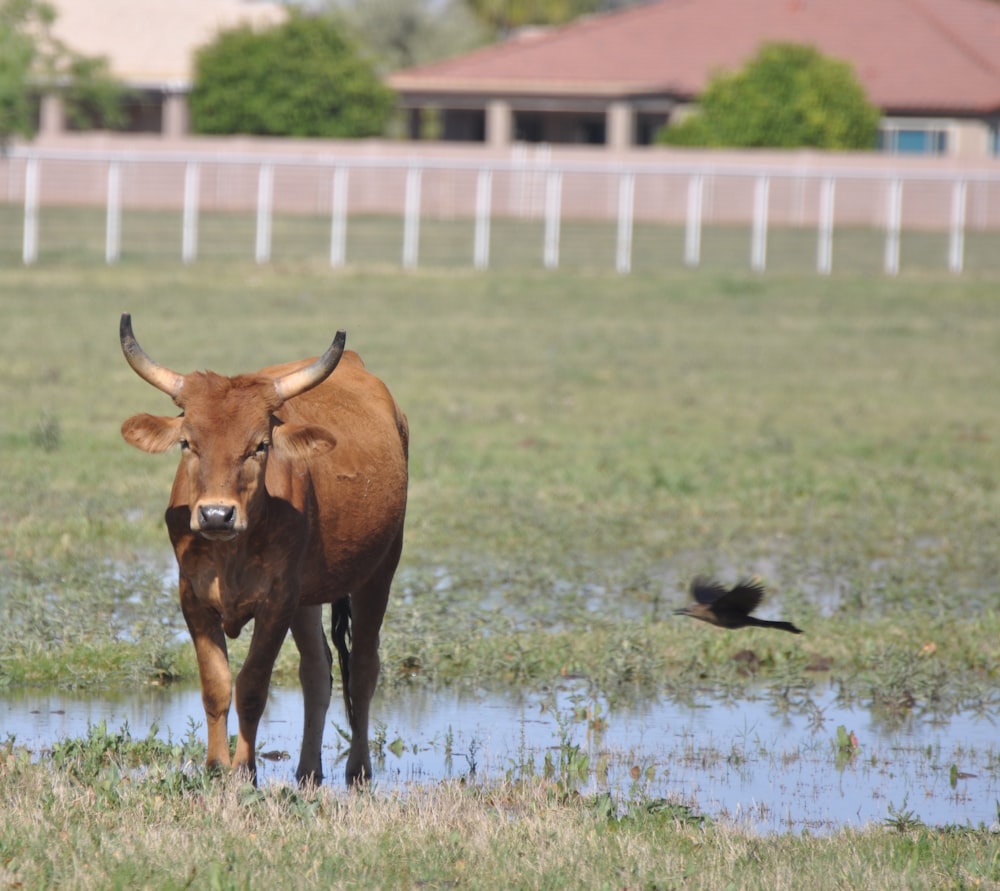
column 315, row 664
column 359, row 622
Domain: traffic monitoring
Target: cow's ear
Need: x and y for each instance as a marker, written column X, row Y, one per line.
column 150, row 433
column 302, row 442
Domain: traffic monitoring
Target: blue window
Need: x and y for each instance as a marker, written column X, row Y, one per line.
column 914, row 141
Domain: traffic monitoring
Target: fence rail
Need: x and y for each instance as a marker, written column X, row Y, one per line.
column 528, row 209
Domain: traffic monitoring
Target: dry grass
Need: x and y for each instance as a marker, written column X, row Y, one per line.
column 118, row 832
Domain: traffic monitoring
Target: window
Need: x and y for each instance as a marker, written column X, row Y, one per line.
column 905, row 138
column 529, row 127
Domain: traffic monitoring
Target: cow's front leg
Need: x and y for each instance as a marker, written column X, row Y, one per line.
column 252, row 685
column 213, row 670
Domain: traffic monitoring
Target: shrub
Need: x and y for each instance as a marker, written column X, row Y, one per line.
column 302, row 78
column 787, row 96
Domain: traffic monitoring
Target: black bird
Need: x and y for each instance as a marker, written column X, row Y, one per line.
column 729, row 608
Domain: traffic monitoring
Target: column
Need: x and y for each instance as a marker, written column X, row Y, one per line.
column 499, row 123
column 620, row 125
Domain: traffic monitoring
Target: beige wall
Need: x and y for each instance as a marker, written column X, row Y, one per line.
column 971, row 138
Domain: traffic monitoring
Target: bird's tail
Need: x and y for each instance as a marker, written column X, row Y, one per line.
column 781, row 626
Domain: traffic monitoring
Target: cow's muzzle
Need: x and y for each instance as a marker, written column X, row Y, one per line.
column 217, row 521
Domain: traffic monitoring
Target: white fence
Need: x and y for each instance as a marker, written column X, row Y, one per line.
column 526, row 209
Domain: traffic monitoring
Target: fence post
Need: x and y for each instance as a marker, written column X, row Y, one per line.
column 626, row 207
column 189, row 226
column 411, row 219
column 265, row 202
column 894, row 216
column 824, row 246
column 338, row 218
column 484, row 196
column 411, row 223
column 113, row 233
column 29, row 247
column 758, row 239
column 553, row 204
column 692, row 229
column 956, row 242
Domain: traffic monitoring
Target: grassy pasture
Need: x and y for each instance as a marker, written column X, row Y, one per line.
column 583, row 444
column 76, row 235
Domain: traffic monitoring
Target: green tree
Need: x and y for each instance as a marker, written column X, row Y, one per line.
column 787, row 96
column 402, row 33
column 301, row 78
column 33, row 60
column 503, row 16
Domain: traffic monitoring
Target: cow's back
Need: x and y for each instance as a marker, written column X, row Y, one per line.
column 359, row 486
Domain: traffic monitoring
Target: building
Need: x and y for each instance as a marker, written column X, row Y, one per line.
column 931, row 66
column 150, row 45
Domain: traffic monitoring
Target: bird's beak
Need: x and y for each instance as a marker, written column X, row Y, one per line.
column 683, row 611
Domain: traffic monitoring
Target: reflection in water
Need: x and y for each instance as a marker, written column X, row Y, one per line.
column 749, row 762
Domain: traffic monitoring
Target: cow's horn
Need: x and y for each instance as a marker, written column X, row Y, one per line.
column 306, row 378
column 159, row 376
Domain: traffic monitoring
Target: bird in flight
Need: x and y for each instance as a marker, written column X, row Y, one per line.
column 730, row 607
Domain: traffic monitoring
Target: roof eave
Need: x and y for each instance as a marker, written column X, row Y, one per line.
column 514, row 87
column 972, row 112
column 427, row 88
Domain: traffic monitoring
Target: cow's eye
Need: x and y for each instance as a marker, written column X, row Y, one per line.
column 185, row 445
column 261, row 449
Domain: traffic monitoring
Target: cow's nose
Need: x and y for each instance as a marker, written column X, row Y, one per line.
column 216, row 517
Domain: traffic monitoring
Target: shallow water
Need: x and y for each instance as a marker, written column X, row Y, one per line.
column 749, row 762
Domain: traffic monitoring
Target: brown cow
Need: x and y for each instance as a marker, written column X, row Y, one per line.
column 290, row 493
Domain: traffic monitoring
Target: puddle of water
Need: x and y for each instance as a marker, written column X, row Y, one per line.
column 743, row 762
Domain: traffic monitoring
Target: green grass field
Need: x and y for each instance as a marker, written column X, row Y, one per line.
column 583, row 443
column 74, row 235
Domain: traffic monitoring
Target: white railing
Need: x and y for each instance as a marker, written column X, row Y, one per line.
column 471, row 211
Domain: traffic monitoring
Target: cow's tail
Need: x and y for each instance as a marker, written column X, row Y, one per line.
column 341, row 633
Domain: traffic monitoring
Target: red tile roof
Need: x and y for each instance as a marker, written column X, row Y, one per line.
column 910, row 55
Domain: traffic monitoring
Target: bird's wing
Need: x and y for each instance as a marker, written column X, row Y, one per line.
column 746, row 595
column 705, row 590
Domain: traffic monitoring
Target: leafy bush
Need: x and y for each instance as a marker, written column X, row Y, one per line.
column 302, row 78
column 33, row 59
column 787, row 96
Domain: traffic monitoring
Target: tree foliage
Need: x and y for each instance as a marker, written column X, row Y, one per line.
column 33, row 60
column 402, row 33
column 503, row 16
column 301, row 78
column 787, row 96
